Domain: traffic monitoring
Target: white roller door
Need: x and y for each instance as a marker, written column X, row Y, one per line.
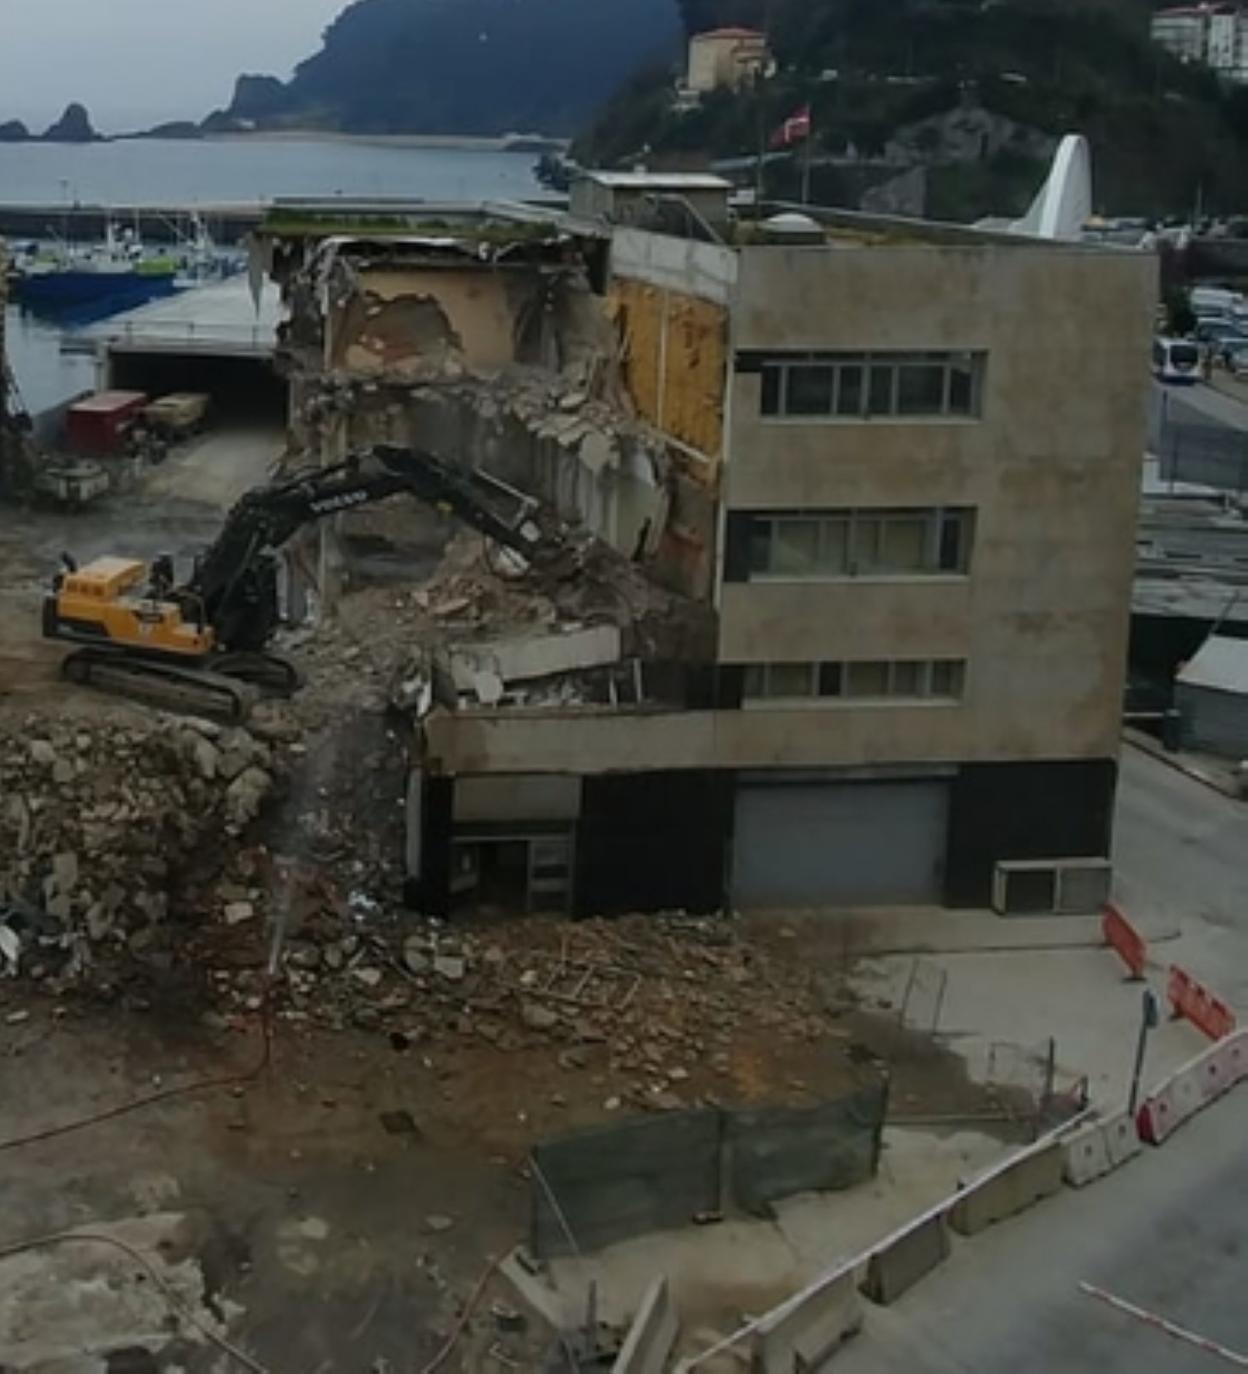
column 840, row 844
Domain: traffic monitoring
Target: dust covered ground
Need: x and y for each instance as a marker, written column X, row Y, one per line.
column 292, row 1115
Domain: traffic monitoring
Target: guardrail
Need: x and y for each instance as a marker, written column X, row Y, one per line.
column 258, row 338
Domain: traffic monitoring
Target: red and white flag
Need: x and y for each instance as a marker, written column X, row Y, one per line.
column 793, row 130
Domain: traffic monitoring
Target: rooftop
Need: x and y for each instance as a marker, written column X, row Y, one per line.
column 659, row 181
column 396, row 217
column 105, row 402
column 729, row 33
column 221, row 318
column 1222, row 663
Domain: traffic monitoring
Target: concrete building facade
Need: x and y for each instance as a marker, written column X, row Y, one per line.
column 926, row 539
column 625, row 197
column 726, row 58
column 1214, row 35
column 892, row 491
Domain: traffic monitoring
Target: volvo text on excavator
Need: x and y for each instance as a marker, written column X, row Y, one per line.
column 202, row 644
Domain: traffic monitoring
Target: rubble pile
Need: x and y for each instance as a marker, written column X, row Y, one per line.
column 659, row 1001
column 96, row 817
column 385, row 634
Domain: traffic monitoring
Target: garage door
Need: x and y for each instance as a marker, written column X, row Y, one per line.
column 840, row 844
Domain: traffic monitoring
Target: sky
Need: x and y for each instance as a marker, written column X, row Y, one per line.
column 135, row 63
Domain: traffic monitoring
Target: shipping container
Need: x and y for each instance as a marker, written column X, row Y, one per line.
column 99, row 424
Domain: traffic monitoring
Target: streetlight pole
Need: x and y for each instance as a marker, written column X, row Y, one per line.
column 1150, row 1015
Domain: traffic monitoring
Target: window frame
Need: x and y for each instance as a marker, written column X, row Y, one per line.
column 923, row 672
column 774, row 407
column 838, row 543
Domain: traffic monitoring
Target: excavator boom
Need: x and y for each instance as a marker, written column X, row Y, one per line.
column 144, row 628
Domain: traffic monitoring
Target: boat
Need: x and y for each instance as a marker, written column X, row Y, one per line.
column 117, row 275
column 200, row 262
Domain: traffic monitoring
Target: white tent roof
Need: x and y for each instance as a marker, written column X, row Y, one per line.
column 1222, row 663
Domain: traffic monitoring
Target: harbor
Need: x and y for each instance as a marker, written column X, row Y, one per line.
column 164, row 224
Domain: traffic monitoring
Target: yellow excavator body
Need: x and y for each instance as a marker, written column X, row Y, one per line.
column 104, row 602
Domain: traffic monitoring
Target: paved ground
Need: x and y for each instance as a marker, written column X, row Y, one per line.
column 1224, row 403
column 1181, row 855
column 1167, row 1232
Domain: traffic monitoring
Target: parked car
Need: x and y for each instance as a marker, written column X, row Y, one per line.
column 1214, row 329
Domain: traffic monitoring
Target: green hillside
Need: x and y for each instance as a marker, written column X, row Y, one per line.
column 1162, row 134
column 463, row 66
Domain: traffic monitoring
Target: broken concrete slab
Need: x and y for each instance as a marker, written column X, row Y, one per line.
column 521, row 659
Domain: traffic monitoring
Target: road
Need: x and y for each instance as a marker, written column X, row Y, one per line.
column 1214, row 404
column 1181, row 857
column 1166, row 1232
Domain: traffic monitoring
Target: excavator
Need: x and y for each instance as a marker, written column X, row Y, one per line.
column 202, row 645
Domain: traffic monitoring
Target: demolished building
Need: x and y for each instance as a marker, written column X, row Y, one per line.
column 853, row 626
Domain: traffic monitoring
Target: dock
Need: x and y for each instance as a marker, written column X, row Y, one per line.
column 227, row 223
column 219, row 320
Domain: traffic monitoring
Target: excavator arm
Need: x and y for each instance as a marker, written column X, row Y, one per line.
column 233, row 588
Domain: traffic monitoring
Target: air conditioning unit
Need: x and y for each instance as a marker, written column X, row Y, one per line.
column 1051, row 887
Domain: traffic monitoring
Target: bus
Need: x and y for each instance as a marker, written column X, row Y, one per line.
column 1176, row 360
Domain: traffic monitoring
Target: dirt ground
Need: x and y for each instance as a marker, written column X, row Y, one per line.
column 340, row 1196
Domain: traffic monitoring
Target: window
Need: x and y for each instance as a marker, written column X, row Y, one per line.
column 810, row 390
column 795, row 547
column 860, row 386
column 866, row 680
column 854, row 543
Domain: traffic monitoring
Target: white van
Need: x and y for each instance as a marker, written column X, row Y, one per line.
column 1176, row 361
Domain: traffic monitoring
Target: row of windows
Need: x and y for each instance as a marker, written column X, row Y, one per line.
column 912, row 679
column 857, row 386
column 850, row 543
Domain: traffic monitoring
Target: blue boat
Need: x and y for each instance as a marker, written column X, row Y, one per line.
column 118, row 275
column 69, row 289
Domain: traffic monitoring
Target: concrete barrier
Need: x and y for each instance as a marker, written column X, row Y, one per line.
column 1009, row 1188
column 804, row 1332
column 1099, row 1148
column 1085, row 1156
column 1121, row 1138
column 652, row 1335
column 901, row 1261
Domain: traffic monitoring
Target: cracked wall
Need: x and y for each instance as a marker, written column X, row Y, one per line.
column 518, row 367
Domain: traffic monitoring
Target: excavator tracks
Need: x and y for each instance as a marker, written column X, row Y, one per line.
column 189, row 691
column 271, row 673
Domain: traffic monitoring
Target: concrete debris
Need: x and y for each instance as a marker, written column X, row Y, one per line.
column 10, row 950
column 98, row 819
column 539, row 1018
column 449, row 966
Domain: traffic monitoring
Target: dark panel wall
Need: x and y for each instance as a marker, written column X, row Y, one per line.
column 430, row 893
column 1025, row 811
column 653, row 842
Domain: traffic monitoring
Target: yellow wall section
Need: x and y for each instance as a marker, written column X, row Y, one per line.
column 675, row 361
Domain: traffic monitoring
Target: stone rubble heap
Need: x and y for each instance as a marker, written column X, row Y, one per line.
column 659, row 1001
column 96, row 818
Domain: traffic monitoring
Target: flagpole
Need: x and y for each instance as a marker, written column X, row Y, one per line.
column 762, row 147
column 810, row 138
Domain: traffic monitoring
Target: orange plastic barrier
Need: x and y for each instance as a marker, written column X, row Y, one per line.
column 1193, row 1000
column 1123, row 938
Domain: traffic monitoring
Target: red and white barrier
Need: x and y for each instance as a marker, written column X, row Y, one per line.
column 1182, row 1094
column 1197, row 1004
column 1180, row 1333
column 1123, row 938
